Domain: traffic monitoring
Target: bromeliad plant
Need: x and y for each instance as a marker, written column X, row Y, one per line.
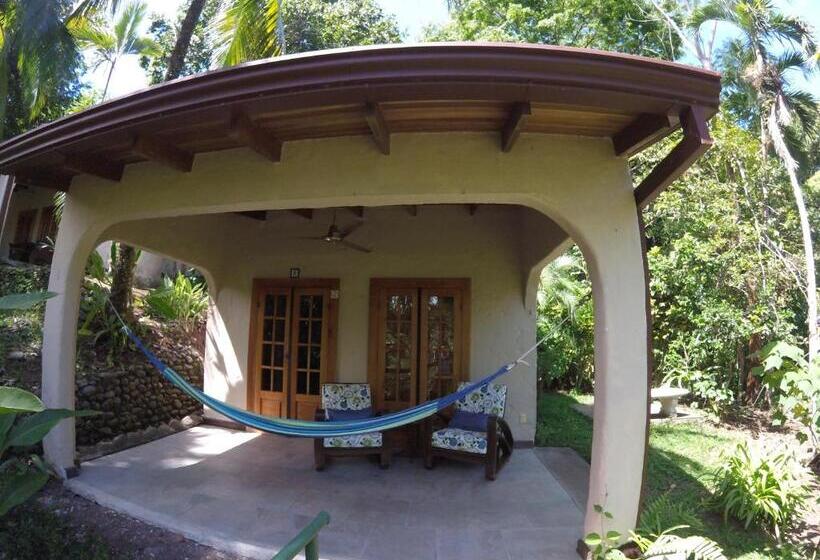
column 768, row 490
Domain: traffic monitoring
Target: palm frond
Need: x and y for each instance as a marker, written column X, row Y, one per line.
column 247, row 30
column 690, row 548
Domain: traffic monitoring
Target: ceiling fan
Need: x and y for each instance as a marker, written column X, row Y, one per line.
column 337, row 236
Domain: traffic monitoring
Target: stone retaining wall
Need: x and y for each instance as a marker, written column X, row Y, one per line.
column 136, row 398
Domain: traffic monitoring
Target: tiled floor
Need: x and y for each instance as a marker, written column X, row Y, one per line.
column 249, row 494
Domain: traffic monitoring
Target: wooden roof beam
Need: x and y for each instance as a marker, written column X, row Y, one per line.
column 646, row 129
column 257, row 139
column 696, row 141
column 56, row 180
column 378, row 127
column 412, row 209
column 357, row 211
column 162, row 152
column 260, row 215
column 519, row 115
column 305, row 213
column 95, row 165
column 472, row 209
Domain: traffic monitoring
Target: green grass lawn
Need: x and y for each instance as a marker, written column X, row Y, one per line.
column 680, row 456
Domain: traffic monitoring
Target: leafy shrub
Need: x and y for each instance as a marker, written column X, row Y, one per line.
column 664, row 512
column 23, row 279
column 794, row 385
column 756, row 488
column 181, row 300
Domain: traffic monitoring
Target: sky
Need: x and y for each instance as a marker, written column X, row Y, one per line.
column 413, row 16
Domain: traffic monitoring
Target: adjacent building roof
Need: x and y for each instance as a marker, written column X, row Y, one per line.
column 375, row 91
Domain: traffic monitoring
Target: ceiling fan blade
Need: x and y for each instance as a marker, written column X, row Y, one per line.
column 355, row 246
column 352, row 228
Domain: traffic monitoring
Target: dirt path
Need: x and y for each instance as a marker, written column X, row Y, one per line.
column 127, row 537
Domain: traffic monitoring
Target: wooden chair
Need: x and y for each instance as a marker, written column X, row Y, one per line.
column 492, row 446
column 344, row 398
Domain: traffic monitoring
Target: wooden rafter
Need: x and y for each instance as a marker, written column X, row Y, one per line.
column 696, row 141
column 163, row 152
column 472, row 209
column 46, row 179
column 305, row 213
column 260, row 215
column 357, row 211
column 519, row 115
column 378, row 127
column 643, row 131
column 412, row 209
column 257, row 139
column 94, row 165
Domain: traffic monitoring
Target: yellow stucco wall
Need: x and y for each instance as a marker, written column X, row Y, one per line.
column 577, row 182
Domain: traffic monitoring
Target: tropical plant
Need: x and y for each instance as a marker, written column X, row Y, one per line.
column 759, row 78
column 22, row 475
column 39, row 63
column 180, row 300
column 110, row 41
column 249, row 30
column 565, row 316
column 661, row 546
column 667, row 511
column 794, row 385
column 754, row 487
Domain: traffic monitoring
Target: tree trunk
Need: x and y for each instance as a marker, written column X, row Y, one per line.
column 122, row 282
column 108, row 79
column 176, row 61
column 808, row 254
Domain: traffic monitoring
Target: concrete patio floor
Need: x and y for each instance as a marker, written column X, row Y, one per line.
column 249, row 493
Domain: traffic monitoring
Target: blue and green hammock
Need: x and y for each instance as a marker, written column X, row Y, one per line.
column 302, row 428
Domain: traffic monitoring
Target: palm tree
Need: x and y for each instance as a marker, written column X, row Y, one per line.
column 249, row 30
column 37, row 58
column 111, row 41
column 176, row 61
column 760, row 77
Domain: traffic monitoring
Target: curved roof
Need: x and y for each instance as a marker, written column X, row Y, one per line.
column 509, row 88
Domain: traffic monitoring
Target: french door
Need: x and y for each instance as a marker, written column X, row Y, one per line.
column 419, row 338
column 293, row 343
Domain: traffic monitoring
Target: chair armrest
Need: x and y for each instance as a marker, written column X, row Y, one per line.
column 320, row 415
column 506, row 432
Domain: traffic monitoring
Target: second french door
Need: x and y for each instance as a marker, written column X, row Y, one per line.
column 293, row 345
column 419, row 333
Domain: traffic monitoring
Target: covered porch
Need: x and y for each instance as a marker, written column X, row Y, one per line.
column 469, row 162
column 250, row 493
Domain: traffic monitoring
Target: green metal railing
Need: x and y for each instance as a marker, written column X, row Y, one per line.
column 307, row 540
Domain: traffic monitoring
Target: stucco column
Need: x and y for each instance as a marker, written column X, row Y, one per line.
column 621, row 374
column 75, row 240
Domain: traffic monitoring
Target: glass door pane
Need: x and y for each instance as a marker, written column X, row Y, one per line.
column 309, row 337
column 272, row 358
column 440, row 355
column 397, row 351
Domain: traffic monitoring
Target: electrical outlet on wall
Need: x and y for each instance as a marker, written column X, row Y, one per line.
column 522, row 418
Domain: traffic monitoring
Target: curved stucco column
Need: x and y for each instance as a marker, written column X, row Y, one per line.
column 77, row 237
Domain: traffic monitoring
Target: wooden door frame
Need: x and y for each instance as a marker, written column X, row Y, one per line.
column 262, row 284
column 374, row 320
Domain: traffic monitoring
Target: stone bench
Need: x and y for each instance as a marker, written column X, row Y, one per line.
column 668, row 397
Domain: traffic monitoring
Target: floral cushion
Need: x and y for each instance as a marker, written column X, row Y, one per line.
column 489, row 399
column 461, row 440
column 373, row 439
column 346, row 396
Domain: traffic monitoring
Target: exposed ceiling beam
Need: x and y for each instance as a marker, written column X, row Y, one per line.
column 165, row 153
column 696, row 141
column 94, row 165
column 305, row 213
column 472, row 209
column 378, row 127
column 44, row 179
column 644, row 130
column 257, row 139
column 519, row 115
column 412, row 209
column 358, row 211
column 260, row 215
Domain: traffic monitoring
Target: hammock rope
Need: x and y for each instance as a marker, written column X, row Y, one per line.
column 308, row 429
